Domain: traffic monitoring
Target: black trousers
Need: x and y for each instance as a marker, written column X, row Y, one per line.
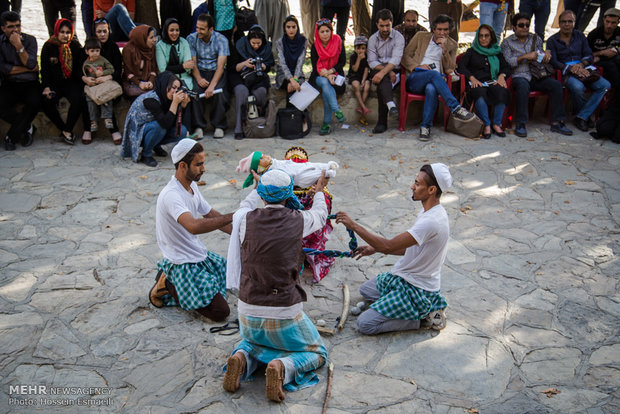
column 51, row 10
column 385, row 94
column 12, row 93
column 219, row 103
column 342, row 14
column 74, row 92
column 611, row 71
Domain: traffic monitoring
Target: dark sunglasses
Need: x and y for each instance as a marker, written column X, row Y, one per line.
column 522, row 25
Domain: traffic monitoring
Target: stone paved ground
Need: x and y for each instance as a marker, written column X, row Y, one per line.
column 531, row 278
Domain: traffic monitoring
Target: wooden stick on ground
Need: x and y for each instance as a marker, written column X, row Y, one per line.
column 328, row 391
column 324, row 330
column 345, row 306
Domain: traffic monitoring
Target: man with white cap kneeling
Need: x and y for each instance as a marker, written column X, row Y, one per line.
column 265, row 258
column 408, row 296
column 189, row 275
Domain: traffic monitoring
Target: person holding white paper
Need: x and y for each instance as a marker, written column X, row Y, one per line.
column 328, row 59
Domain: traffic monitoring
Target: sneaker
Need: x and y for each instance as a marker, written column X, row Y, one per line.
column 218, row 133
column 198, row 134
column 393, row 112
column 560, row 128
column 340, row 117
column 325, row 129
column 435, row 320
column 520, row 131
column 425, row 134
column 94, row 126
column 462, row 114
column 108, row 123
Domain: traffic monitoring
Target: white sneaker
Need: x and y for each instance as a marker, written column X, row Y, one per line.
column 218, row 133
column 198, row 134
column 425, row 134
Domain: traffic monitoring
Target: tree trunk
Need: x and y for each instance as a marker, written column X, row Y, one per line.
column 361, row 17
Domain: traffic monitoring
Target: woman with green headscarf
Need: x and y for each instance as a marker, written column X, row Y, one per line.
column 485, row 71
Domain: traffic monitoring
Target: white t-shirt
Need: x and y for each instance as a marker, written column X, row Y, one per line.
column 176, row 243
column 421, row 264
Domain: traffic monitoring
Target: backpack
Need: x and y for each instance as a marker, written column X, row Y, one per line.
column 293, row 123
column 245, row 18
column 263, row 126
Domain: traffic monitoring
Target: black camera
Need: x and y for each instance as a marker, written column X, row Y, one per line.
column 189, row 92
column 258, row 65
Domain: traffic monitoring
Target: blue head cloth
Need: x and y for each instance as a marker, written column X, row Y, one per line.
column 276, row 186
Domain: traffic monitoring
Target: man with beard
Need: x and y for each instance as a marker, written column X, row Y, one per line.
column 409, row 296
column 189, row 275
column 410, row 26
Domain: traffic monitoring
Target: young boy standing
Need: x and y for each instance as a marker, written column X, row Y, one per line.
column 97, row 70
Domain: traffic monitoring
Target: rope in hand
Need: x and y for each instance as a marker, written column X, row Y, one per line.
column 336, row 253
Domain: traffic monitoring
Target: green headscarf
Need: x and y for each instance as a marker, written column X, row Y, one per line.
column 253, row 166
column 492, row 52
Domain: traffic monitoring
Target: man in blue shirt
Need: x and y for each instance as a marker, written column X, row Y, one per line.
column 571, row 54
column 209, row 51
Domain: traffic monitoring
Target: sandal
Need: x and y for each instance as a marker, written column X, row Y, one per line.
column 274, row 382
column 367, row 111
column 325, row 129
column 235, row 367
column 68, row 139
column 158, row 290
column 94, row 126
column 232, row 326
column 117, row 138
column 86, row 141
column 360, row 110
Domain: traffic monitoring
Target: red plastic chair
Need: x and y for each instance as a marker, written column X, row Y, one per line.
column 406, row 98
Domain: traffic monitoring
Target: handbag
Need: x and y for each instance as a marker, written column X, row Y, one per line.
column 263, row 126
column 104, row 92
column 291, row 123
column 591, row 78
column 470, row 128
column 539, row 70
column 251, row 78
column 245, row 18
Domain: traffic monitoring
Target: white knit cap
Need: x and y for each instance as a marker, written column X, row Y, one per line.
column 442, row 175
column 181, row 149
column 278, row 178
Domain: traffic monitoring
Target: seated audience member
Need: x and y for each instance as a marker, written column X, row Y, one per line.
column 154, row 119
column 586, row 9
column 173, row 54
column 181, row 10
column 328, row 59
column 608, row 125
column 358, row 74
column 110, row 51
column 210, row 51
column 53, row 8
column 62, row 57
column 139, row 59
column 604, row 42
column 20, row 83
column 410, row 26
column 189, row 275
column 244, row 78
column 493, row 14
column 485, row 71
column 270, row 15
column 291, row 53
column 571, row 54
column 517, row 50
column 385, row 51
column 120, row 14
column 339, row 8
column 97, row 70
column 427, row 58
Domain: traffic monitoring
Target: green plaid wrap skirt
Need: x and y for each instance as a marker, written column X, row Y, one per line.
column 196, row 283
column 401, row 300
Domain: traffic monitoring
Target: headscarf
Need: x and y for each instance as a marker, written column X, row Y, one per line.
column 328, row 56
column 162, row 83
column 492, row 52
column 64, row 49
column 276, row 186
column 138, row 50
column 165, row 37
column 246, row 51
column 292, row 49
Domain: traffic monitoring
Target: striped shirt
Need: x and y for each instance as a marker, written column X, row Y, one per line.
column 207, row 53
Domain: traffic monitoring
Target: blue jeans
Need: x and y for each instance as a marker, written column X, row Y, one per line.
column 330, row 100
column 539, row 9
column 483, row 112
column 491, row 15
column 578, row 92
column 155, row 135
column 431, row 84
column 120, row 22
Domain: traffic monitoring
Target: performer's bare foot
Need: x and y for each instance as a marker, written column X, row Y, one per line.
column 274, row 381
column 235, row 367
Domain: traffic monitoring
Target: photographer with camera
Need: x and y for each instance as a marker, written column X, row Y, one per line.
column 156, row 118
column 250, row 60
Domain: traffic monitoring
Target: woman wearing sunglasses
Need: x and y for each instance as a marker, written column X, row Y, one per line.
column 328, row 58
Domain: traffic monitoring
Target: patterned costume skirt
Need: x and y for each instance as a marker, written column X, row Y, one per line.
column 298, row 339
column 320, row 264
column 196, row 283
column 401, row 300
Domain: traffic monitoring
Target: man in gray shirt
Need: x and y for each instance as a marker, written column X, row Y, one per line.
column 385, row 50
